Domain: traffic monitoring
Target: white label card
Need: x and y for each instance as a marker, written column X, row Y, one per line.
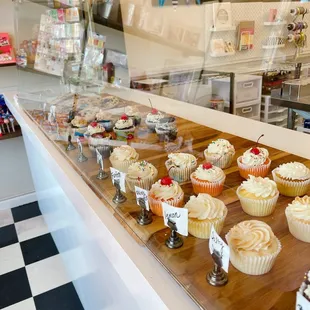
column 142, row 194
column 217, row 244
column 176, row 216
column 301, row 302
column 99, row 159
column 120, row 177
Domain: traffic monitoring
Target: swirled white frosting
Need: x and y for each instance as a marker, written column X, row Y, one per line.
column 212, row 175
column 205, row 207
column 103, row 116
column 260, row 187
column 132, row 111
column 181, row 160
column 124, row 153
column 299, row 208
column 124, row 123
column 79, row 121
column 293, row 171
column 95, row 129
column 154, row 118
column 221, row 147
column 250, row 159
column 166, row 192
column 165, row 127
column 141, row 169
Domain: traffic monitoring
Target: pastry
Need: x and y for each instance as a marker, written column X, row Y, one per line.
column 204, row 211
column 105, row 120
column 80, row 125
column 153, row 118
column 92, row 128
column 122, row 157
column 133, row 113
column 166, row 129
column 298, row 218
column 141, row 174
column 258, row 196
column 209, row 179
column 253, row 247
column 180, row 166
column 293, row 179
column 100, row 141
column 124, row 128
column 220, row 153
column 165, row 190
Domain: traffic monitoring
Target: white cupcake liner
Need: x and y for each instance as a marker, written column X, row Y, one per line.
column 257, row 171
column 122, row 165
column 212, row 188
column 291, row 188
column 253, row 265
column 297, row 228
column 218, row 160
column 258, row 207
column 98, row 143
column 180, row 174
column 145, row 183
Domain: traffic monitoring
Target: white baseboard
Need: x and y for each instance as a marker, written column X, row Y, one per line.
column 18, row 201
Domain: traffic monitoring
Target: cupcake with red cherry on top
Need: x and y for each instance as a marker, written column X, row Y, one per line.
column 254, row 161
column 168, row 191
column 153, row 118
column 124, row 128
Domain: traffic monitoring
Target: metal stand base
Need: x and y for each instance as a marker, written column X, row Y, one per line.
column 119, row 198
column 174, row 241
column 82, row 158
column 217, row 277
column 102, row 175
column 70, row 147
column 144, row 218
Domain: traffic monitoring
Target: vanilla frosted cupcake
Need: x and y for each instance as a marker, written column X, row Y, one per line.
column 203, row 212
column 298, row 218
column 253, row 247
column 254, row 161
column 153, row 118
column 209, row 179
column 220, row 153
column 165, row 190
column 141, row 174
column 93, row 128
column 258, row 196
column 293, row 179
column 180, row 166
column 122, row 157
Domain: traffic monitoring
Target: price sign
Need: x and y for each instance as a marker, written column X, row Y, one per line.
column 142, row 194
column 217, row 244
column 179, row 216
column 301, row 302
column 118, row 177
column 99, row 159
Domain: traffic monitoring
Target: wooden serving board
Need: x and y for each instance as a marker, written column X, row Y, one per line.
column 190, row 264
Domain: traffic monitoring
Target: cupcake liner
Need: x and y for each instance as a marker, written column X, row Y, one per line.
column 221, row 161
column 300, row 230
column 291, row 188
column 257, row 171
column 122, row 165
column 212, row 188
column 253, row 265
column 150, row 125
column 180, row 174
column 258, row 207
column 156, row 207
column 145, row 183
column 123, row 134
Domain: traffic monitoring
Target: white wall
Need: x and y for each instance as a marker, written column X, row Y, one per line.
column 7, row 17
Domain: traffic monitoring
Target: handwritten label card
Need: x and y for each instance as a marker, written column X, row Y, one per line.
column 142, row 194
column 179, row 216
column 216, row 243
column 99, row 159
column 118, row 176
column 302, row 303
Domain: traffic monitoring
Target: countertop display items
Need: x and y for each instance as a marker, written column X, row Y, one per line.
column 6, row 51
column 7, row 121
column 246, row 35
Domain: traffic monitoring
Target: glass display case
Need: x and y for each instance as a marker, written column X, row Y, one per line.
column 106, row 83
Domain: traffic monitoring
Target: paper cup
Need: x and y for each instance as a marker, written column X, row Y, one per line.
column 212, row 188
column 121, row 165
column 257, row 171
column 180, row 174
column 222, row 161
column 145, row 183
column 300, row 230
column 123, row 135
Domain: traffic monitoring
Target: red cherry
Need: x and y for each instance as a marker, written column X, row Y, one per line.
column 130, row 137
column 93, row 124
column 255, row 150
column 207, row 166
column 154, row 111
column 166, row 181
column 124, row 117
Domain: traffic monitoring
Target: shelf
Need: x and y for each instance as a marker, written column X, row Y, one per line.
column 223, row 55
column 30, row 68
column 108, row 23
column 231, row 28
column 281, row 23
column 270, row 47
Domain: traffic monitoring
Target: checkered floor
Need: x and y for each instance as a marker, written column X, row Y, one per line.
column 32, row 274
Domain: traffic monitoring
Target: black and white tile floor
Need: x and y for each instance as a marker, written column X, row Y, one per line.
column 32, row 274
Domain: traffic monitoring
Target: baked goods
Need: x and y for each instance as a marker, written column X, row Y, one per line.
column 153, row 118
column 293, row 179
column 258, row 196
column 180, row 166
column 165, row 190
column 304, row 289
column 203, row 212
column 209, row 179
column 253, row 247
column 105, row 120
column 94, row 127
column 166, row 129
column 220, row 153
column 124, row 128
column 100, row 141
column 79, row 125
column 255, row 161
column 298, row 218
column 122, row 157
column 133, row 113
column 141, row 174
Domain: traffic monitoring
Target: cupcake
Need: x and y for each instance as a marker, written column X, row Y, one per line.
column 153, row 118
column 133, row 113
column 180, row 166
column 92, row 128
column 166, row 129
column 122, row 157
column 258, row 196
column 124, row 128
column 100, row 141
column 141, row 174
column 220, row 153
column 208, row 179
column 254, row 161
column 165, row 190
column 293, row 179
column 298, row 218
column 80, row 125
column 253, row 247
column 204, row 212
column 105, row 120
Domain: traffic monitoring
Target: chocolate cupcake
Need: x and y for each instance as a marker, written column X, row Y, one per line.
column 166, row 129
